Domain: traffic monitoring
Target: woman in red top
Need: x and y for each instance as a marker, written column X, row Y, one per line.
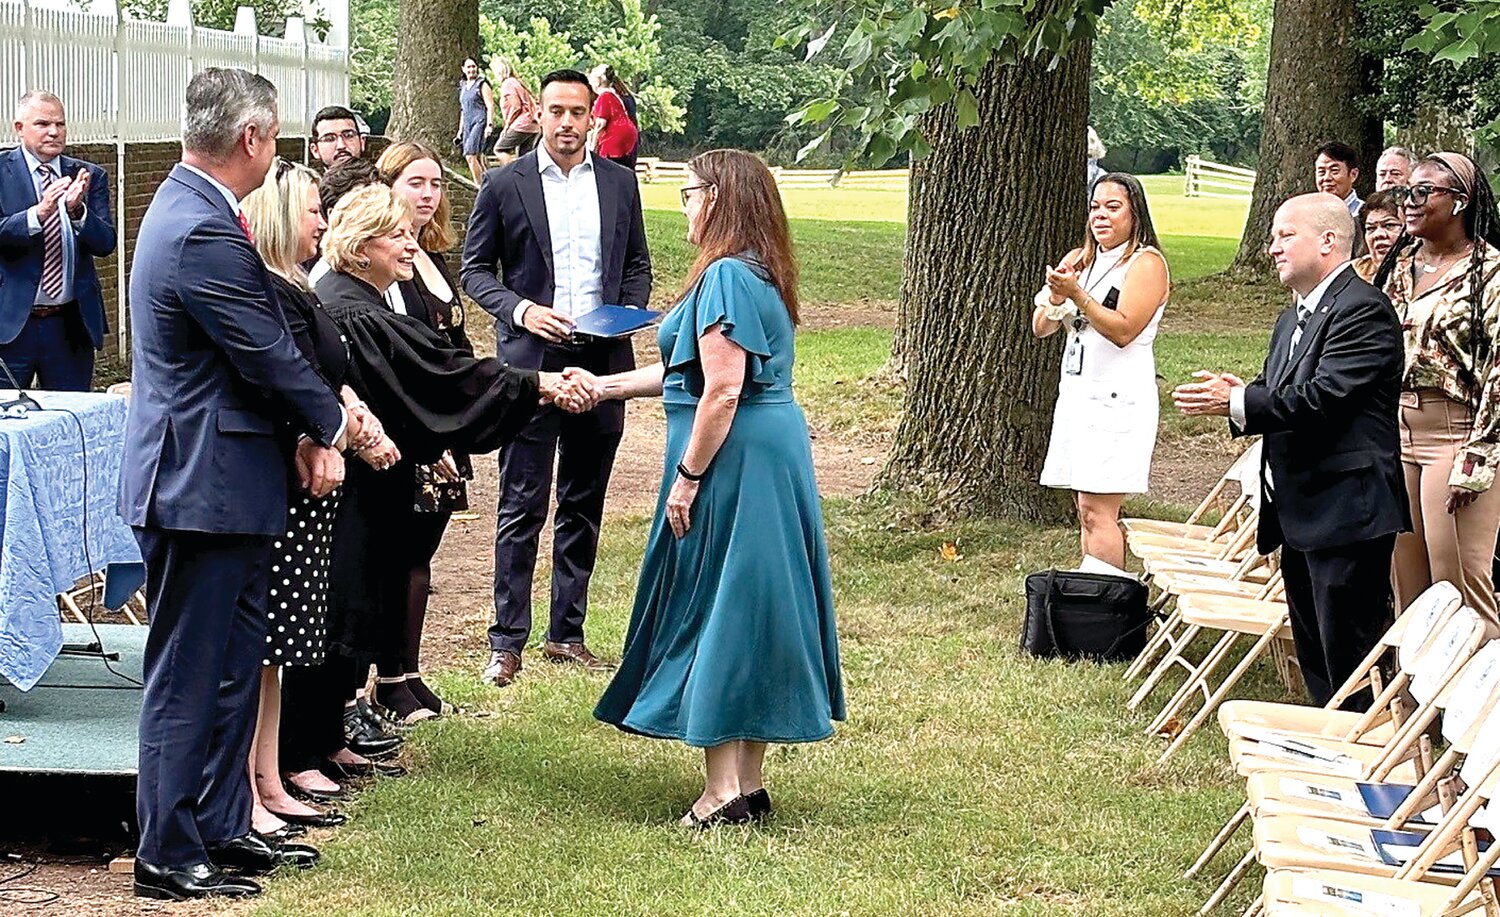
column 615, row 134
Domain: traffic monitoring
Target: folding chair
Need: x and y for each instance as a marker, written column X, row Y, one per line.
column 1417, row 889
column 1404, row 758
column 1170, row 636
column 1233, row 477
column 1411, row 634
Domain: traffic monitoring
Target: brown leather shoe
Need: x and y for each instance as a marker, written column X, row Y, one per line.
column 574, row 654
column 504, row 664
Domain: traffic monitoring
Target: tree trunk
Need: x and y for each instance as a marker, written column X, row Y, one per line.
column 991, row 208
column 435, row 37
column 1317, row 78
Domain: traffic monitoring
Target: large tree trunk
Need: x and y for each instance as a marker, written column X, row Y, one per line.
column 435, row 37
column 991, row 207
column 1317, row 78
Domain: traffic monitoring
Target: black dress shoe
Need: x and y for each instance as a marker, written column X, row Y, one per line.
column 733, row 812
column 250, row 853
column 316, row 820
column 364, row 739
column 758, row 802
column 286, row 832
column 202, row 880
column 374, row 717
column 339, row 772
column 299, row 856
column 315, row 796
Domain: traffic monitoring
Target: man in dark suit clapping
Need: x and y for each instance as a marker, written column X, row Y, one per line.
column 54, row 221
column 552, row 235
column 221, row 396
column 1332, row 493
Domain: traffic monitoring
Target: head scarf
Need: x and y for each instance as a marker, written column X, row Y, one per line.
column 1463, row 169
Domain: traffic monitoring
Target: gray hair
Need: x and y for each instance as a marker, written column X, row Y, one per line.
column 1323, row 212
column 32, row 96
column 221, row 102
column 1096, row 148
column 1403, row 152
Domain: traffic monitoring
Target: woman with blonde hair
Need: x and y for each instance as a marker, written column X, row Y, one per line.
column 286, row 220
column 414, row 171
column 732, row 643
column 432, row 396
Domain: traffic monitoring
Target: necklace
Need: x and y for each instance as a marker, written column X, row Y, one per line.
column 1443, row 264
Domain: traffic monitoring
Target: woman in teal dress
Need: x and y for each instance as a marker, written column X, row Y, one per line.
column 732, row 643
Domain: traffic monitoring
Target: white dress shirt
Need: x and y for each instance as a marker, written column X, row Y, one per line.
column 234, row 204
column 1310, row 304
column 70, row 227
column 572, row 202
column 1353, row 202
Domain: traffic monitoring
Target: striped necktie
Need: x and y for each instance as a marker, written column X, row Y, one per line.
column 1304, row 312
column 52, row 241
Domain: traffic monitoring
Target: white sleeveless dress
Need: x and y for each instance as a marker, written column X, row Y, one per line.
column 1104, row 425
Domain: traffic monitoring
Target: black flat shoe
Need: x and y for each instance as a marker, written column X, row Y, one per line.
column 374, row 717
column 201, row 880
column 364, row 739
column 315, row 796
column 285, row 833
column 316, row 820
column 758, row 802
column 339, row 772
column 733, row 812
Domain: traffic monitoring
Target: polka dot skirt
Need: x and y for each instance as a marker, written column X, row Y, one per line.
column 301, row 562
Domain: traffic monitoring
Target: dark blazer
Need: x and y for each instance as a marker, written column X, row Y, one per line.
column 21, row 252
column 217, row 375
column 316, row 334
column 1329, row 421
column 508, row 254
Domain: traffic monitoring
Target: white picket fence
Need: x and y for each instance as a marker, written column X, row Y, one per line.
column 658, row 170
column 1213, row 179
column 121, row 80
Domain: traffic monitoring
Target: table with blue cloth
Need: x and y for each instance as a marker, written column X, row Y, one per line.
column 61, row 468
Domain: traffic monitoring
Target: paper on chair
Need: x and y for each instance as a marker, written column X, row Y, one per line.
column 1301, row 789
column 1341, row 844
column 1277, row 745
column 1311, row 888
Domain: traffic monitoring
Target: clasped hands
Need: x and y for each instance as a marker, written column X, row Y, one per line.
column 320, row 469
column 67, row 193
column 1063, row 282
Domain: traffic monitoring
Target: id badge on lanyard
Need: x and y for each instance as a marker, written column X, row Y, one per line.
column 1072, row 362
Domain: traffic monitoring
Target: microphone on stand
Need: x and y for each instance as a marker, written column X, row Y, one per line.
column 22, row 402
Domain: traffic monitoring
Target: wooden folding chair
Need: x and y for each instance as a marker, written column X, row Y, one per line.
column 1411, row 634
column 1234, row 478
column 1171, row 582
column 1404, row 758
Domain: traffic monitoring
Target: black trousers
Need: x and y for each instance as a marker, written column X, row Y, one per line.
column 52, row 353
column 584, row 447
column 206, row 594
column 312, row 710
column 1341, row 604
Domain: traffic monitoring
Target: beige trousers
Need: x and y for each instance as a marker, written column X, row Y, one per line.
column 1457, row 547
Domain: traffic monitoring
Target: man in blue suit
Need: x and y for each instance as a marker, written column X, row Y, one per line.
column 54, row 221
column 222, row 403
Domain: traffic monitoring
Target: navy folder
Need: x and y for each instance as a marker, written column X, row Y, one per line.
column 613, row 322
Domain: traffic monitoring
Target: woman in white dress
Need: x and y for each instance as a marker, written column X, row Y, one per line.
column 1108, row 296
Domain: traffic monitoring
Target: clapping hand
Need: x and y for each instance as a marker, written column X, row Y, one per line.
column 1063, row 282
column 1207, row 397
column 73, row 200
column 52, row 196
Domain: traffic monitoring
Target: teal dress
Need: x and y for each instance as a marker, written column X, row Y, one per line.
column 732, row 636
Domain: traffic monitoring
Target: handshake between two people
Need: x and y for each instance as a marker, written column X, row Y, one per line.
column 320, row 469
column 574, row 390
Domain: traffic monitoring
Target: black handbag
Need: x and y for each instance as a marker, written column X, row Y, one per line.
column 1084, row 615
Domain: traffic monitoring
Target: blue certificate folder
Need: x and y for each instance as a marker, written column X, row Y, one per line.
column 613, row 322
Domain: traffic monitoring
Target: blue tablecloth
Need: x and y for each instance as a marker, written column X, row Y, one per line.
column 42, row 521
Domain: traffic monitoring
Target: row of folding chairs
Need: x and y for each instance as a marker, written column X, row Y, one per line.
column 1221, row 606
column 1357, row 813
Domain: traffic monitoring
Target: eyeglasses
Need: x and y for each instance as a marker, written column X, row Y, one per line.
column 1418, row 194
column 347, row 136
column 688, row 188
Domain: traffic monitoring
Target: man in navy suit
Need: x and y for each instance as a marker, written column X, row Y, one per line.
column 222, row 404
column 552, row 235
column 54, row 221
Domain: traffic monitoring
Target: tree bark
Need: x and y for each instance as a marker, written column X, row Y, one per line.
column 991, row 208
column 1317, row 79
column 435, row 37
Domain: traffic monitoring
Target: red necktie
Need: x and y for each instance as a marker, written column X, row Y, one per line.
column 52, row 242
column 245, row 227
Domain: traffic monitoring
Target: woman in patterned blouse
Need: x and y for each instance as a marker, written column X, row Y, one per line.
column 1441, row 277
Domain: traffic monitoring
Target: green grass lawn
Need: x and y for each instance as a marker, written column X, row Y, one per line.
column 851, row 240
